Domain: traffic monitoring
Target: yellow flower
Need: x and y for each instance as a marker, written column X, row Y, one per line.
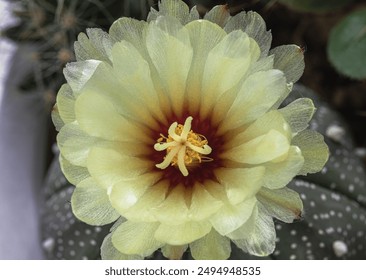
column 172, row 128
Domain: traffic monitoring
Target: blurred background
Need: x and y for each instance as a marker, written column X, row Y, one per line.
column 37, row 38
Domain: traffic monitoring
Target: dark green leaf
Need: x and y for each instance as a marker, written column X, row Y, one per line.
column 347, row 45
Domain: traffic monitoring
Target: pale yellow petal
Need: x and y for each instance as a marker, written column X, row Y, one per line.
column 226, row 64
column 130, row 30
column 97, row 46
column 136, row 238
column 65, row 104
column 261, row 149
column 313, row 149
column 203, row 204
column 174, row 8
column 182, row 234
column 109, row 252
column 77, row 74
column 56, row 118
column 73, row 173
column 152, row 198
column 259, row 93
column 90, row 204
column 240, row 183
column 231, row 217
column 108, row 166
column 298, row 114
column 258, row 235
column 173, row 252
column 270, row 120
column 283, row 204
column 136, row 81
column 218, row 14
column 75, row 144
column 254, row 25
column 171, row 53
column 280, row 172
column 98, row 117
column 213, row 246
column 204, row 36
column 290, row 60
column 173, row 210
column 126, row 193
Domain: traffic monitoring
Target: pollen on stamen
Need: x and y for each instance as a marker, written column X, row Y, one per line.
column 183, row 147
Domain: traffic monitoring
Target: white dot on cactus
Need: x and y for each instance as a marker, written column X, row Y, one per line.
column 293, row 257
column 342, row 176
column 323, row 197
column 84, row 258
column 351, row 188
column 303, row 196
column 278, row 227
column 340, row 215
column 76, row 233
column 324, row 170
column 321, row 232
column 308, row 244
column 293, row 246
column 72, row 253
column 60, row 248
column 81, row 244
column 335, row 132
column 312, row 203
column 315, row 217
column 321, row 245
column 340, row 248
column 276, row 253
column 329, row 230
column 48, row 244
column 98, row 229
column 360, row 152
column 293, row 232
column 71, row 242
column 304, row 238
column 87, row 231
column 93, row 242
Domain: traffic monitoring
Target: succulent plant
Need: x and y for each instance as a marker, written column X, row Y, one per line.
column 333, row 226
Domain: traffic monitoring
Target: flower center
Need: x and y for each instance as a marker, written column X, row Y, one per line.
column 183, row 147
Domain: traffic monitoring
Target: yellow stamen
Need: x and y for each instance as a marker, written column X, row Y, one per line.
column 183, row 147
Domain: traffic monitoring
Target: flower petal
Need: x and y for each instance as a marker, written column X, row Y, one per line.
column 109, row 252
column 261, row 149
column 226, row 65
column 65, row 104
column 56, row 118
column 153, row 197
column 290, row 60
column 78, row 73
column 298, row 114
column 109, row 166
column 90, row 204
column 313, row 149
column 254, row 25
column 218, row 14
column 174, row 8
column 182, row 234
column 213, row 246
column 270, row 120
column 257, row 236
column 126, row 193
column 92, row 110
column 203, row 204
column 73, row 173
column 136, row 238
column 280, row 172
column 204, row 36
column 171, row 53
column 173, row 252
column 231, row 217
column 283, row 204
column 75, row 144
column 130, row 30
column 258, row 94
column 240, row 183
column 97, row 46
column 173, row 210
